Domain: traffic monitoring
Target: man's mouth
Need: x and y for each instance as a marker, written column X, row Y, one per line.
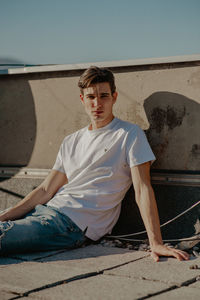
column 97, row 112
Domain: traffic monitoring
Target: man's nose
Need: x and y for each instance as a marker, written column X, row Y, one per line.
column 97, row 101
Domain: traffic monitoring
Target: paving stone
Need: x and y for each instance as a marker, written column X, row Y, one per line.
column 29, row 275
column 196, row 285
column 4, row 295
column 102, row 256
column 168, row 270
column 95, row 258
column 101, row 287
column 183, row 293
column 26, row 276
column 129, row 281
column 84, row 252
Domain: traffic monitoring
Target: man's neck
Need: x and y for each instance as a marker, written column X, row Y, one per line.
column 99, row 124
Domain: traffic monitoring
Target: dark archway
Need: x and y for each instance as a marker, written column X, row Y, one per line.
column 17, row 120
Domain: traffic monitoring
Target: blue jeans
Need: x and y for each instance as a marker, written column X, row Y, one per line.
column 43, row 229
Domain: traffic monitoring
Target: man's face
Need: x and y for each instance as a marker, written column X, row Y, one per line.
column 98, row 102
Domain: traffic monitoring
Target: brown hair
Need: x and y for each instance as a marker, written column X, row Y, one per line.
column 96, row 75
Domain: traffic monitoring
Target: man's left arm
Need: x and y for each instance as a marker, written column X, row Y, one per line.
column 145, row 198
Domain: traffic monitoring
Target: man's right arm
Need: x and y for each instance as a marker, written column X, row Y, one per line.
column 41, row 195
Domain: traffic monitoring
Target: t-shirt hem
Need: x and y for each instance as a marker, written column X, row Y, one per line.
column 56, row 169
column 142, row 162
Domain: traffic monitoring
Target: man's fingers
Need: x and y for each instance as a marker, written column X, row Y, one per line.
column 177, row 255
column 181, row 254
column 166, row 251
column 154, row 256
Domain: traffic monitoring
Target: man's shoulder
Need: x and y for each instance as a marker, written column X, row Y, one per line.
column 128, row 126
column 74, row 135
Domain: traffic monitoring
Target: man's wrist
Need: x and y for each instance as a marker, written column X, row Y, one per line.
column 2, row 218
column 5, row 216
column 155, row 244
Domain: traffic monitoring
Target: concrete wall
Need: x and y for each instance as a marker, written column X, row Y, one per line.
column 37, row 110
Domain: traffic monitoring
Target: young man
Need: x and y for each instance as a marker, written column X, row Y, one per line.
column 81, row 197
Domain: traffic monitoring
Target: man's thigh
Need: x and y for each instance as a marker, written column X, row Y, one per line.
column 41, row 230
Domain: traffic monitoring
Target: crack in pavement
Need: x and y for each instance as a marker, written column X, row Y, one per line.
column 173, row 287
column 11, row 193
column 74, row 278
column 47, row 286
column 96, row 273
column 137, row 278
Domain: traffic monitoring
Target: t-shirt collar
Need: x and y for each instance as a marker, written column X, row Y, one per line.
column 101, row 129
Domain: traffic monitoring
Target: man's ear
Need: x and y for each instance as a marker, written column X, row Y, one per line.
column 81, row 97
column 115, row 94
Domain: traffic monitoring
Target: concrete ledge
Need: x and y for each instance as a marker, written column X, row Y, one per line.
column 108, row 64
column 169, row 178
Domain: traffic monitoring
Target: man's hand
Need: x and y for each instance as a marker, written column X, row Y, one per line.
column 161, row 250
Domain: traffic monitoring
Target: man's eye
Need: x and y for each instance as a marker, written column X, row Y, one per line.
column 90, row 97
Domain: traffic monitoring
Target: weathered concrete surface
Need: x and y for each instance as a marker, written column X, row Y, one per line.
column 173, row 272
column 6, row 295
column 40, row 109
column 103, row 287
column 96, row 272
column 61, row 266
column 196, row 284
column 182, row 293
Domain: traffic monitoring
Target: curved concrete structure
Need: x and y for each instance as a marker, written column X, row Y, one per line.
column 40, row 106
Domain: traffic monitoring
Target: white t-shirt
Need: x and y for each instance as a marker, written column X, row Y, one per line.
column 97, row 164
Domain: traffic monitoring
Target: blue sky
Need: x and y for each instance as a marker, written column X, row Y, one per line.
column 62, row 31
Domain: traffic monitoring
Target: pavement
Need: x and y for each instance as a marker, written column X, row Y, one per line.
column 98, row 272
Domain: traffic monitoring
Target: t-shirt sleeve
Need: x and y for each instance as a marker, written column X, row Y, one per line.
column 58, row 166
column 138, row 148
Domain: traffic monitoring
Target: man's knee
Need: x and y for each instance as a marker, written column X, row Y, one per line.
column 4, row 229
